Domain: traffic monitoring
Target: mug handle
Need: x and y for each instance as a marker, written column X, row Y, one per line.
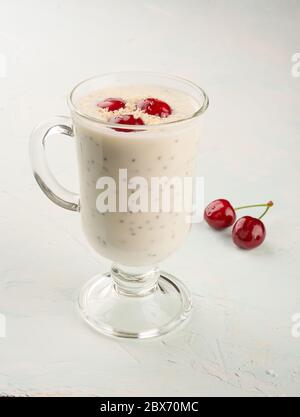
column 41, row 171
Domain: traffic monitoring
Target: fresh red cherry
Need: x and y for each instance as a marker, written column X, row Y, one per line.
column 155, row 107
column 112, row 104
column 126, row 119
column 248, row 232
column 219, row 214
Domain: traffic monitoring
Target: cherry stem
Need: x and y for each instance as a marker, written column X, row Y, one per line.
column 268, row 205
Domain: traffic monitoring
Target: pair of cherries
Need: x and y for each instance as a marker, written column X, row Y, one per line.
column 150, row 105
column 247, row 233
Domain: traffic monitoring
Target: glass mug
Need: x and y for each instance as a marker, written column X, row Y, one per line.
column 135, row 299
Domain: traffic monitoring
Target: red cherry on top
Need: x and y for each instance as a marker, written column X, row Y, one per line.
column 112, row 104
column 219, row 214
column 126, row 119
column 155, row 107
column 248, row 232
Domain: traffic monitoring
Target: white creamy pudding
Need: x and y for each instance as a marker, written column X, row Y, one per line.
column 134, row 239
column 182, row 106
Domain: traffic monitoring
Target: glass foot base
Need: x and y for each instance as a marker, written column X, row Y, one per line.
column 113, row 313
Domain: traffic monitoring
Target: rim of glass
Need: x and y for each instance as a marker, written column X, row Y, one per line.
column 198, row 113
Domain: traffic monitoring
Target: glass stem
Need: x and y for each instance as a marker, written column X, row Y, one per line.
column 134, row 282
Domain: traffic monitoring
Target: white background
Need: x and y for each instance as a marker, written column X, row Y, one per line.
column 239, row 340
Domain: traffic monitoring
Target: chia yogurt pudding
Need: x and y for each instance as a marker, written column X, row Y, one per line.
column 167, row 150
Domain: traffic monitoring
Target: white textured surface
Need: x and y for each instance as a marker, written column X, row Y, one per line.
column 239, row 339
